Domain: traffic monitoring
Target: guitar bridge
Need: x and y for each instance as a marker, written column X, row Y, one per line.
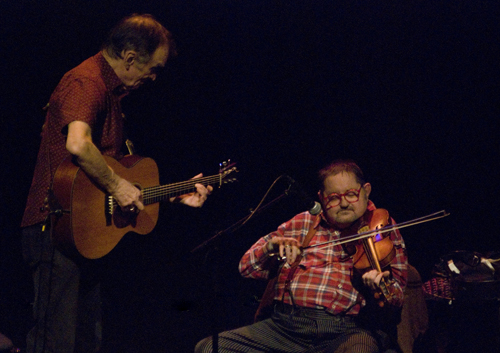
column 110, row 208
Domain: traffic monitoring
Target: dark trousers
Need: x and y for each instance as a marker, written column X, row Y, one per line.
column 296, row 330
column 67, row 299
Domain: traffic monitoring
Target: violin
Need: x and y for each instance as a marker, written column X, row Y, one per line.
column 370, row 249
column 374, row 252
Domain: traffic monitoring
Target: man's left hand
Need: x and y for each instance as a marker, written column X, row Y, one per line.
column 372, row 278
column 195, row 199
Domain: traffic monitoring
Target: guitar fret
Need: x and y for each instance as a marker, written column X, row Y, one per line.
column 161, row 192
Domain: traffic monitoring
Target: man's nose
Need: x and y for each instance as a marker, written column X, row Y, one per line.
column 343, row 202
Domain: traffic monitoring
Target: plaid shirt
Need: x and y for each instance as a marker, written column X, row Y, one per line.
column 323, row 277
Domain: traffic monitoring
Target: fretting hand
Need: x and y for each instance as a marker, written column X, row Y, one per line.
column 372, row 278
column 195, row 199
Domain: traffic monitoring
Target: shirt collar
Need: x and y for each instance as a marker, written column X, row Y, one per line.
column 111, row 80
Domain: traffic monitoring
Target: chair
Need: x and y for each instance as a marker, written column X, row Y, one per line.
column 414, row 317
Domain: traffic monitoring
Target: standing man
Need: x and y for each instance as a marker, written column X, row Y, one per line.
column 322, row 301
column 84, row 120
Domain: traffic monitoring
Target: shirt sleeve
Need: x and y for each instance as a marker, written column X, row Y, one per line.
column 81, row 99
column 256, row 262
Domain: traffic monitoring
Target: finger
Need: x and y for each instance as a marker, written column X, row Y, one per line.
column 202, row 190
column 197, row 176
column 377, row 280
column 369, row 278
column 130, row 208
column 127, row 208
column 295, row 252
column 289, row 254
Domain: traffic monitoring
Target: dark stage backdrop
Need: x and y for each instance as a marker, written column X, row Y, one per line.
column 407, row 89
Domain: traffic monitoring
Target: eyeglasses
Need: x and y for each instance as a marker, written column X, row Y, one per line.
column 335, row 199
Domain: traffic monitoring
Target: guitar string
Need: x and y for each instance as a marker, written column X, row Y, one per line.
column 159, row 193
column 153, row 193
column 164, row 190
column 180, row 186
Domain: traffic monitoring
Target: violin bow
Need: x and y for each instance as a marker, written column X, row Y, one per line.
column 363, row 235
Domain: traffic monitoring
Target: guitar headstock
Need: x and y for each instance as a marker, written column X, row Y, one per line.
column 226, row 170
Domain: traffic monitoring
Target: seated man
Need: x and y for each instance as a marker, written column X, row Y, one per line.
column 323, row 301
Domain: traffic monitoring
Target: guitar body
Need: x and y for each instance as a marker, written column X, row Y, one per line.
column 90, row 223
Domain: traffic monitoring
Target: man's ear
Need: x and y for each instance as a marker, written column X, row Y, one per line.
column 129, row 57
column 368, row 189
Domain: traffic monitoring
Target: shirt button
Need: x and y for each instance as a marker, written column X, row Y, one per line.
column 339, row 285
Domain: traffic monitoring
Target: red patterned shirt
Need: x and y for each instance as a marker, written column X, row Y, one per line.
column 323, row 277
column 91, row 93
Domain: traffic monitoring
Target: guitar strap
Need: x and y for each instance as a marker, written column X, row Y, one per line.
column 266, row 303
column 293, row 269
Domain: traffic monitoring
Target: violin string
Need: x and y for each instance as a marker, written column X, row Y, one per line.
column 369, row 255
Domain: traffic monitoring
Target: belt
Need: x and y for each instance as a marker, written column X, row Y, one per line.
column 312, row 313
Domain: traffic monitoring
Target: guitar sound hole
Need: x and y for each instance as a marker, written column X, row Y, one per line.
column 122, row 219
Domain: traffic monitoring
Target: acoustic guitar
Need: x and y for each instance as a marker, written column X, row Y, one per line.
column 87, row 220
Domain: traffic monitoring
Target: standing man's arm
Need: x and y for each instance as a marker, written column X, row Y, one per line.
column 79, row 143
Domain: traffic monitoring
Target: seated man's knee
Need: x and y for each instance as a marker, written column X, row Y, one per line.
column 204, row 346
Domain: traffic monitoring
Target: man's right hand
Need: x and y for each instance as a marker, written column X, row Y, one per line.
column 289, row 248
column 128, row 197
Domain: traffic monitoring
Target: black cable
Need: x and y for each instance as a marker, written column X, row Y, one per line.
column 46, row 224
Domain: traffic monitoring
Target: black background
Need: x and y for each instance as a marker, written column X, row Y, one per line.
column 407, row 89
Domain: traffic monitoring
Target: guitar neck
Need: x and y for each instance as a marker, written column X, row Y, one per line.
column 161, row 192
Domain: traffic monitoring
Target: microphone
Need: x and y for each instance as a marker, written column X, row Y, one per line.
column 314, row 207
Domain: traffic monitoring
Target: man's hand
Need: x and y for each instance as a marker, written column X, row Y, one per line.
column 289, row 248
column 195, row 199
column 127, row 196
column 372, row 278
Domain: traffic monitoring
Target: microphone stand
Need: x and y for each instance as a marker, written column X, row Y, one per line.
column 212, row 246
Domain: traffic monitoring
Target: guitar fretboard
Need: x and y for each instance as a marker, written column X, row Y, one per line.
column 161, row 192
